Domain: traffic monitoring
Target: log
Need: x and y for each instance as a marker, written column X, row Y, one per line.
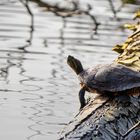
column 105, row 119
column 111, row 118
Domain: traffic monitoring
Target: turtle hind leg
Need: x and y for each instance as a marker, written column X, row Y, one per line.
column 82, row 97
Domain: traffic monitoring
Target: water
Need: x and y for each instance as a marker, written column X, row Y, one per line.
column 38, row 91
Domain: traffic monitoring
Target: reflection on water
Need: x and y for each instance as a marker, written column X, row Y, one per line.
column 38, row 91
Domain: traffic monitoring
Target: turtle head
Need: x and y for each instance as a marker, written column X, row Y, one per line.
column 75, row 64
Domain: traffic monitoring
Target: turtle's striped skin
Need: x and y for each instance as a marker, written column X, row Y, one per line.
column 112, row 79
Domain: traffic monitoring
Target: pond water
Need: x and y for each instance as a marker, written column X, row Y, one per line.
column 38, row 91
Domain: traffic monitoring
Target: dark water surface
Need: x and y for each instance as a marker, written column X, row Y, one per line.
column 38, row 91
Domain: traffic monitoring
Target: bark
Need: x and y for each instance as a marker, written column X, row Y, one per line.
column 106, row 118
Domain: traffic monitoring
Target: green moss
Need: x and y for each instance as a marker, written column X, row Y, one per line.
column 129, row 1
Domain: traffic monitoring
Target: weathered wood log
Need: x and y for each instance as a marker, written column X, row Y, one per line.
column 106, row 118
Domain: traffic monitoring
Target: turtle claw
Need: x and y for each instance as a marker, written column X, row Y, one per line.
column 81, row 107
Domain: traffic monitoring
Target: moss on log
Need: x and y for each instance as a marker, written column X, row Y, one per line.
column 130, row 49
column 105, row 118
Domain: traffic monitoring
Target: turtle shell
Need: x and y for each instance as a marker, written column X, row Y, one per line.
column 112, row 78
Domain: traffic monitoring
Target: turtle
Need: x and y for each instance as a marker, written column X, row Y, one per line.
column 108, row 79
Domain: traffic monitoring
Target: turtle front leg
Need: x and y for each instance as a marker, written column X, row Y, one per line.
column 82, row 97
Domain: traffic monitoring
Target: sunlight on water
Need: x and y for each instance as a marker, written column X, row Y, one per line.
column 38, row 91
